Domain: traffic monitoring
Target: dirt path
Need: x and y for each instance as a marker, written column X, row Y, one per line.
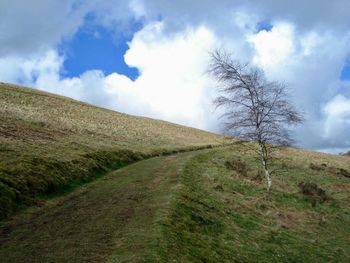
column 113, row 219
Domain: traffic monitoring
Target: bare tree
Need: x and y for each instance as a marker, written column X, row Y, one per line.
column 255, row 109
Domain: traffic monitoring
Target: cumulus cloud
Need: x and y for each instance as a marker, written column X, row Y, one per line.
column 273, row 48
column 38, row 25
column 30, row 26
column 308, row 15
column 306, row 48
column 172, row 84
column 43, row 72
column 337, row 121
column 310, row 63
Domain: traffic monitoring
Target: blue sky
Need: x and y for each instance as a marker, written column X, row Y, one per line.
column 94, row 47
column 345, row 73
column 264, row 25
column 147, row 57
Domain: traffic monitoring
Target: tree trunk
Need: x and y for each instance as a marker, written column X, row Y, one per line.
column 263, row 154
column 269, row 179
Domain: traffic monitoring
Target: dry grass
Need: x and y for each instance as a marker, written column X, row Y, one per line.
column 53, row 117
column 213, row 208
column 50, row 142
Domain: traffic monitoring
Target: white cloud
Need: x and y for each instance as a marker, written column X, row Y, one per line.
column 25, row 69
column 337, row 121
column 43, row 72
column 172, row 84
column 220, row 15
column 27, row 27
column 273, row 47
column 310, row 63
column 306, row 48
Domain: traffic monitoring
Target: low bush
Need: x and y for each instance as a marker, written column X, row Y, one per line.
column 343, row 172
column 313, row 193
column 317, row 167
column 330, row 169
column 237, row 166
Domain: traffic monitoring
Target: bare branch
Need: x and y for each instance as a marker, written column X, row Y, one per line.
column 255, row 109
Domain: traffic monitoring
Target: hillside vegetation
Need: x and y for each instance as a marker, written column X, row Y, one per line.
column 49, row 143
column 204, row 205
column 200, row 206
column 222, row 212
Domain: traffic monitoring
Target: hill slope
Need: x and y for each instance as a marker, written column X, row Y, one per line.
column 223, row 213
column 49, row 143
column 200, row 206
column 206, row 205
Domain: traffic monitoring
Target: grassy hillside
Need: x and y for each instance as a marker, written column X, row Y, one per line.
column 201, row 206
column 208, row 205
column 222, row 212
column 50, row 143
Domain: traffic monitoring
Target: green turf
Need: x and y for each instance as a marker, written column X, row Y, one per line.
column 112, row 219
column 192, row 207
column 200, row 206
column 221, row 215
column 49, row 144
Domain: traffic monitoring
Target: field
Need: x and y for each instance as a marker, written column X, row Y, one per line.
column 200, row 206
column 134, row 192
column 223, row 213
column 50, row 144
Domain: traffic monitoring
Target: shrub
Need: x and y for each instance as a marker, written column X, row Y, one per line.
column 313, row 192
column 317, row 167
column 343, row 172
column 237, row 166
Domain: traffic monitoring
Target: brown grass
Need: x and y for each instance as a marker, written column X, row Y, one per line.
column 51, row 117
column 49, row 142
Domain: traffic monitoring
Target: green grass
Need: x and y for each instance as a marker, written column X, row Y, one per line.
column 221, row 215
column 192, row 207
column 113, row 219
column 49, row 144
column 200, row 206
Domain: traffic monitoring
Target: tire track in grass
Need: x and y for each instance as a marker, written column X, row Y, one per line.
column 113, row 219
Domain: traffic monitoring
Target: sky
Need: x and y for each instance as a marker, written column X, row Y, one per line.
column 149, row 57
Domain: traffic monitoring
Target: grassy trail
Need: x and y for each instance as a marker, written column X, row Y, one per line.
column 114, row 219
column 49, row 143
column 199, row 206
